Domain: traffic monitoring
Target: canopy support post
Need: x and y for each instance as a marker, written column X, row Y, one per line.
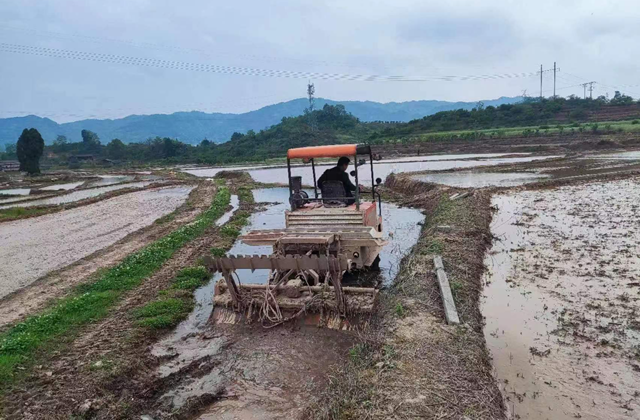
column 315, row 183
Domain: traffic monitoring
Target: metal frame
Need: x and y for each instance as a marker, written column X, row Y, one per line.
column 360, row 149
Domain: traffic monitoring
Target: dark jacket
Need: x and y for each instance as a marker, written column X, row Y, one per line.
column 337, row 174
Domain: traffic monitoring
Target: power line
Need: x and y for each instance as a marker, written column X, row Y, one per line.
column 242, row 71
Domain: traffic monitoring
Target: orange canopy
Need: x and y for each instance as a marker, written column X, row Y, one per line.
column 337, row 150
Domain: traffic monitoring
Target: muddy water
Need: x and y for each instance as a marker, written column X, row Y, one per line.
column 270, row 378
column 470, row 179
column 561, row 301
column 65, row 187
column 634, row 155
column 109, row 180
column 235, row 203
column 77, row 195
column 16, row 191
column 382, row 169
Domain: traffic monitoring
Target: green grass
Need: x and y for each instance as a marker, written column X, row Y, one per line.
column 19, row 212
column 191, row 278
column 542, row 130
column 164, row 313
column 218, row 252
column 90, row 302
column 174, row 304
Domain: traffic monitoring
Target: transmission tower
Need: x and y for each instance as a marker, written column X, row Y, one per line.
column 311, row 90
column 584, row 86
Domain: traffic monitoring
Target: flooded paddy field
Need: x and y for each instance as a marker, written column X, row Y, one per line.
column 562, row 300
column 75, row 195
column 471, row 179
column 278, row 175
column 33, row 247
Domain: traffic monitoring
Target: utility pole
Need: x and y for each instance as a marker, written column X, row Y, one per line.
column 584, row 85
column 540, row 81
column 554, row 80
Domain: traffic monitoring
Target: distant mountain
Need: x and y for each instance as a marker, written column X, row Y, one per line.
column 193, row 127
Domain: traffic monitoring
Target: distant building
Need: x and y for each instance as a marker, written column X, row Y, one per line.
column 81, row 158
column 9, row 165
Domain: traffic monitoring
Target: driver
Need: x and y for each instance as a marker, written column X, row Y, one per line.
column 339, row 173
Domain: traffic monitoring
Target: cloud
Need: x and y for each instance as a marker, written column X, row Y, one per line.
column 590, row 40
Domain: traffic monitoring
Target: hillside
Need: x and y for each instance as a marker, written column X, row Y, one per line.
column 193, row 127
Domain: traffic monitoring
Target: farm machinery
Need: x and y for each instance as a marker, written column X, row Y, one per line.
column 330, row 237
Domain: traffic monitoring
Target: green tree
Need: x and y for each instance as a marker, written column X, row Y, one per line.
column 116, row 149
column 90, row 141
column 10, row 149
column 29, row 150
column 60, row 140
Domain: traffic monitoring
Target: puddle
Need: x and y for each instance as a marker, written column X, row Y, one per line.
column 16, row 191
column 109, row 180
column 381, row 169
column 235, row 203
column 192, row 341
column 560, row 301
column 452, row 157
column 65, row 187
column 634, row 155
column 77, row 195
column 470, row 179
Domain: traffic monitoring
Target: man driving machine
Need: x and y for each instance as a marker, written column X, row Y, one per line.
column 339, row 173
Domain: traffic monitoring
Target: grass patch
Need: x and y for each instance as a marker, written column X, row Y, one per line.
column 218, row 252
column 163, row 313
column 245, row 195
column 230, row 231
column 191, row 278
column 399, row 310
column 20, row 212
column 172, row 306
column 90, row 302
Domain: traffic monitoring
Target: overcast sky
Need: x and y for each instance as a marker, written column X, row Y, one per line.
column 595, row 40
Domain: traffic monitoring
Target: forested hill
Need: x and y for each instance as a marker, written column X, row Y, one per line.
column 193, row 127
column 334, row 124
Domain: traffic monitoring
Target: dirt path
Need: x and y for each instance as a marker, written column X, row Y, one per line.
column 562, row 301
column 31, row 298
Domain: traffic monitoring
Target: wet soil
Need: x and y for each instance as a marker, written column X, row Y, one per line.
column 562, row 300
column 411, row 364
column 76, row 195
column 106, row 370
column 55, row 284
column 248, row 367
column 31, row 248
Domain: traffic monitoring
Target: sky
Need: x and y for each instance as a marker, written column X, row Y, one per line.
column 74, row 59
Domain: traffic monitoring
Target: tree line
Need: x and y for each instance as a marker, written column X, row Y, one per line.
column 331, row 124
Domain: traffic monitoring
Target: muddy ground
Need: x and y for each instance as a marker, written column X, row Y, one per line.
column 57, row 283
column 32, row 248
column 563, row 300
